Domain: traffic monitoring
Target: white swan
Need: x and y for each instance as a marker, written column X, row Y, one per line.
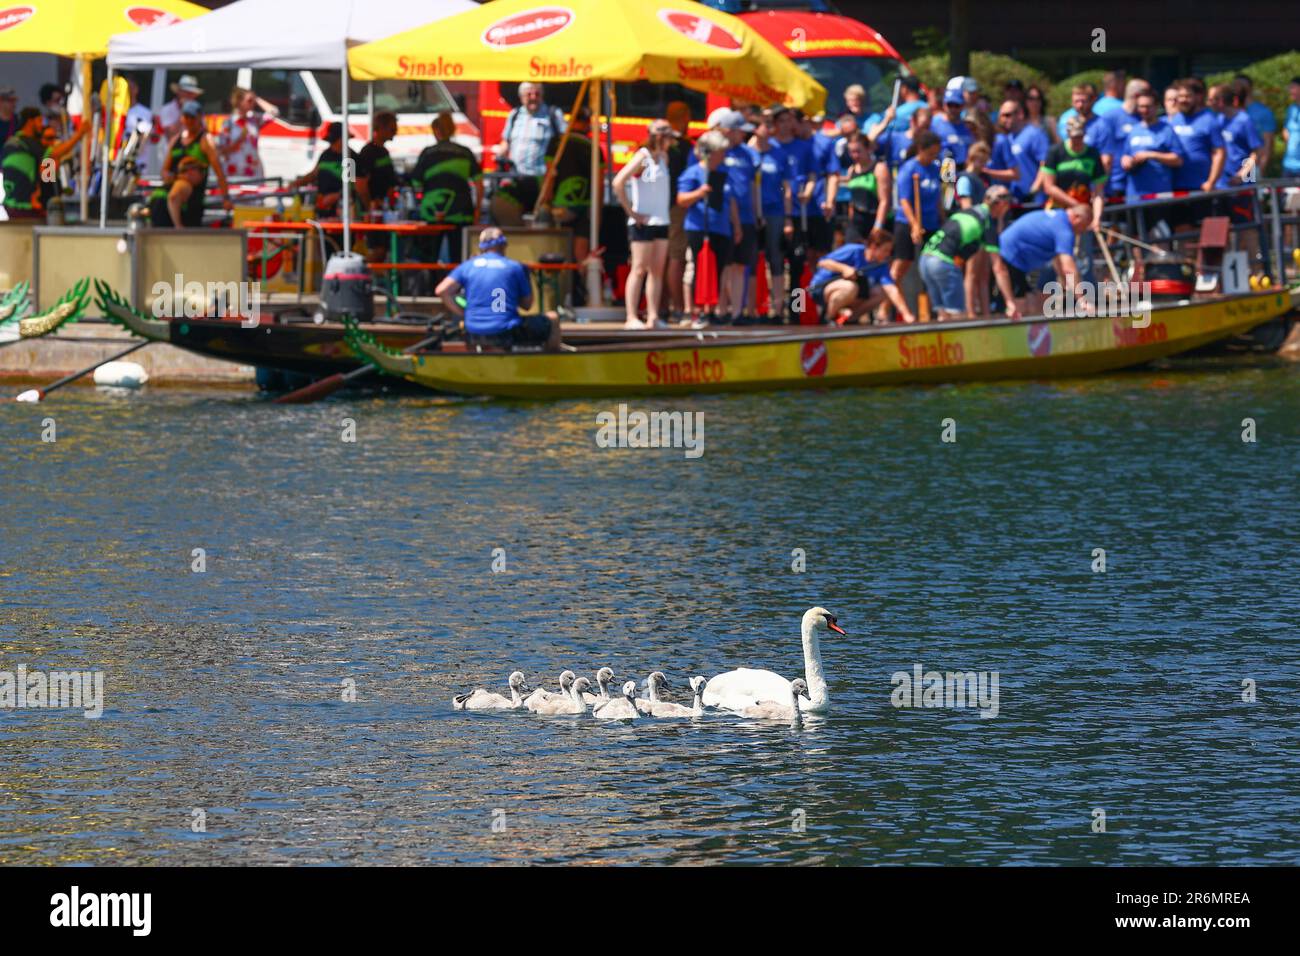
column 603, row 678
column 536, row 697
column 770, row 710
column 745, row 687
column 619, row 708
column 481, row 699
column 573, row 704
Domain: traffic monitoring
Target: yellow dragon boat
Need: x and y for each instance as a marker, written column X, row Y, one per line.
column 826, row 356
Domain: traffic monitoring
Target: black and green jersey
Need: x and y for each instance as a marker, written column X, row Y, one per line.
column 864, row 191
column 1076, row 173
column 573, row 173
column 192, row 211
column 444, row 173
column 20, row 163
column 374, row 162
column 963, row 235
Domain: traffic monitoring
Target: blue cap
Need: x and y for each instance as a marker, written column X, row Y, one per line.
column 192, row 108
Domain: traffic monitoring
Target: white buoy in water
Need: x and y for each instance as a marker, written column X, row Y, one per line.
column 121, row 375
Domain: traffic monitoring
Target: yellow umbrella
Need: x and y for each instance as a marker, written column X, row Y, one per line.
column 81, row 28
column 663, row 41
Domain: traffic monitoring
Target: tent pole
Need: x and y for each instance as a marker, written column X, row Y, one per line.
column 348, row 170
column 104, row 179
column 82, row 66
column 593, row 274
column 370, row 106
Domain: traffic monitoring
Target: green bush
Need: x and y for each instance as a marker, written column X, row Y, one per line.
column 1058, row 97
column 1270, row 77
column 991, row 71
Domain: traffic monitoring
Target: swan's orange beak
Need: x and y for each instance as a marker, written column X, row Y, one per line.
column 836, row 628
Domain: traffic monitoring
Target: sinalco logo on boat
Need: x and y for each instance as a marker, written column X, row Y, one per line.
column 701, row 30
column 148, row 17
column 1040, row 339
column 528, row 27
column 814, row 358
column 15, row 16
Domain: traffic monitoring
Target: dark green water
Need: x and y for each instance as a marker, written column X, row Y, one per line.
column 371, row 562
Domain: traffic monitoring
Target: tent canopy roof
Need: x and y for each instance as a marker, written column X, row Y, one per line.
column 276, row 34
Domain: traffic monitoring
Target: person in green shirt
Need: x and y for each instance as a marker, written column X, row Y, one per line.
column 947, row 254
column 569, row 195
column 20, row 164
column 866, row 183
column 192, row 142
column 327, row 174
column 451, row 183
column 1072, row 174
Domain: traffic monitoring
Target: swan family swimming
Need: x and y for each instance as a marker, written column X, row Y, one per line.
column 750, row 692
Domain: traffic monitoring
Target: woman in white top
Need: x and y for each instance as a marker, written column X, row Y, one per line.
column 647, row 220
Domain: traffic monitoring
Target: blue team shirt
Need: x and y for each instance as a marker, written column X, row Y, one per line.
column 1200, row 136
column 1094, row 130
column 712, row 213
column 903, row 115
column 484, row 279
column 1036, row 238
column 775, row 168
column 1265, row 121
column 930, row 184
column 852, row 254
column 1240, row 139
column 1151, row 176
column 1024, row 152
column 741, row 169
column 825, row 163
column 1291, row 158
column 955, row 137
column 1119, row 123
column 1107, row 104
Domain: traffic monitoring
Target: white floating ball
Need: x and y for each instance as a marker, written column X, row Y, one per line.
column 121, row 375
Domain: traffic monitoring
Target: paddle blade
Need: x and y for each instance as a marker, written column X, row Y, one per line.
column 706, row 276
column 313, row 392
column 762, row 293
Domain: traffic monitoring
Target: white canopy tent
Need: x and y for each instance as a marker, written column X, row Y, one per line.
column 275, row 35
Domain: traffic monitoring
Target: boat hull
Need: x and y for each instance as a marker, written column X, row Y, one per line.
column 826, row 357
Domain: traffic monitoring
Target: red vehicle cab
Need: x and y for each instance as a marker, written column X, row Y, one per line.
column 838, row 51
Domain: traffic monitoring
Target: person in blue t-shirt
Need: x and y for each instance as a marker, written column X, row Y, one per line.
column 742, row 178
column 1018, row 151
column 1198, row 130
column 1291, row 131
column 856, row 276
column 954, row 133
column 704, row 191
column 1151, row 152
column 1038, row 239
column 1112, row 90
column 1241, row 140
column 1263, row 118
column 776, row 175
column 495, row 289
column 1118, row 124
column 815, row 217
column 920, row 195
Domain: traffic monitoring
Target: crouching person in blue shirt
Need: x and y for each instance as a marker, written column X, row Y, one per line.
column 856, row 277
column 496, row 288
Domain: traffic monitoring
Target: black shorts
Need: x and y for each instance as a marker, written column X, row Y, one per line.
column 820, row 233
column 1189, row 213
column 903, row 246
column 745, row 253
column 865, row 288
column 720, row 244
column 578, row 219
column 531, row 332
column 774, row 243
column 1240, row 209
column 639, row 233
column 1020, row 284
